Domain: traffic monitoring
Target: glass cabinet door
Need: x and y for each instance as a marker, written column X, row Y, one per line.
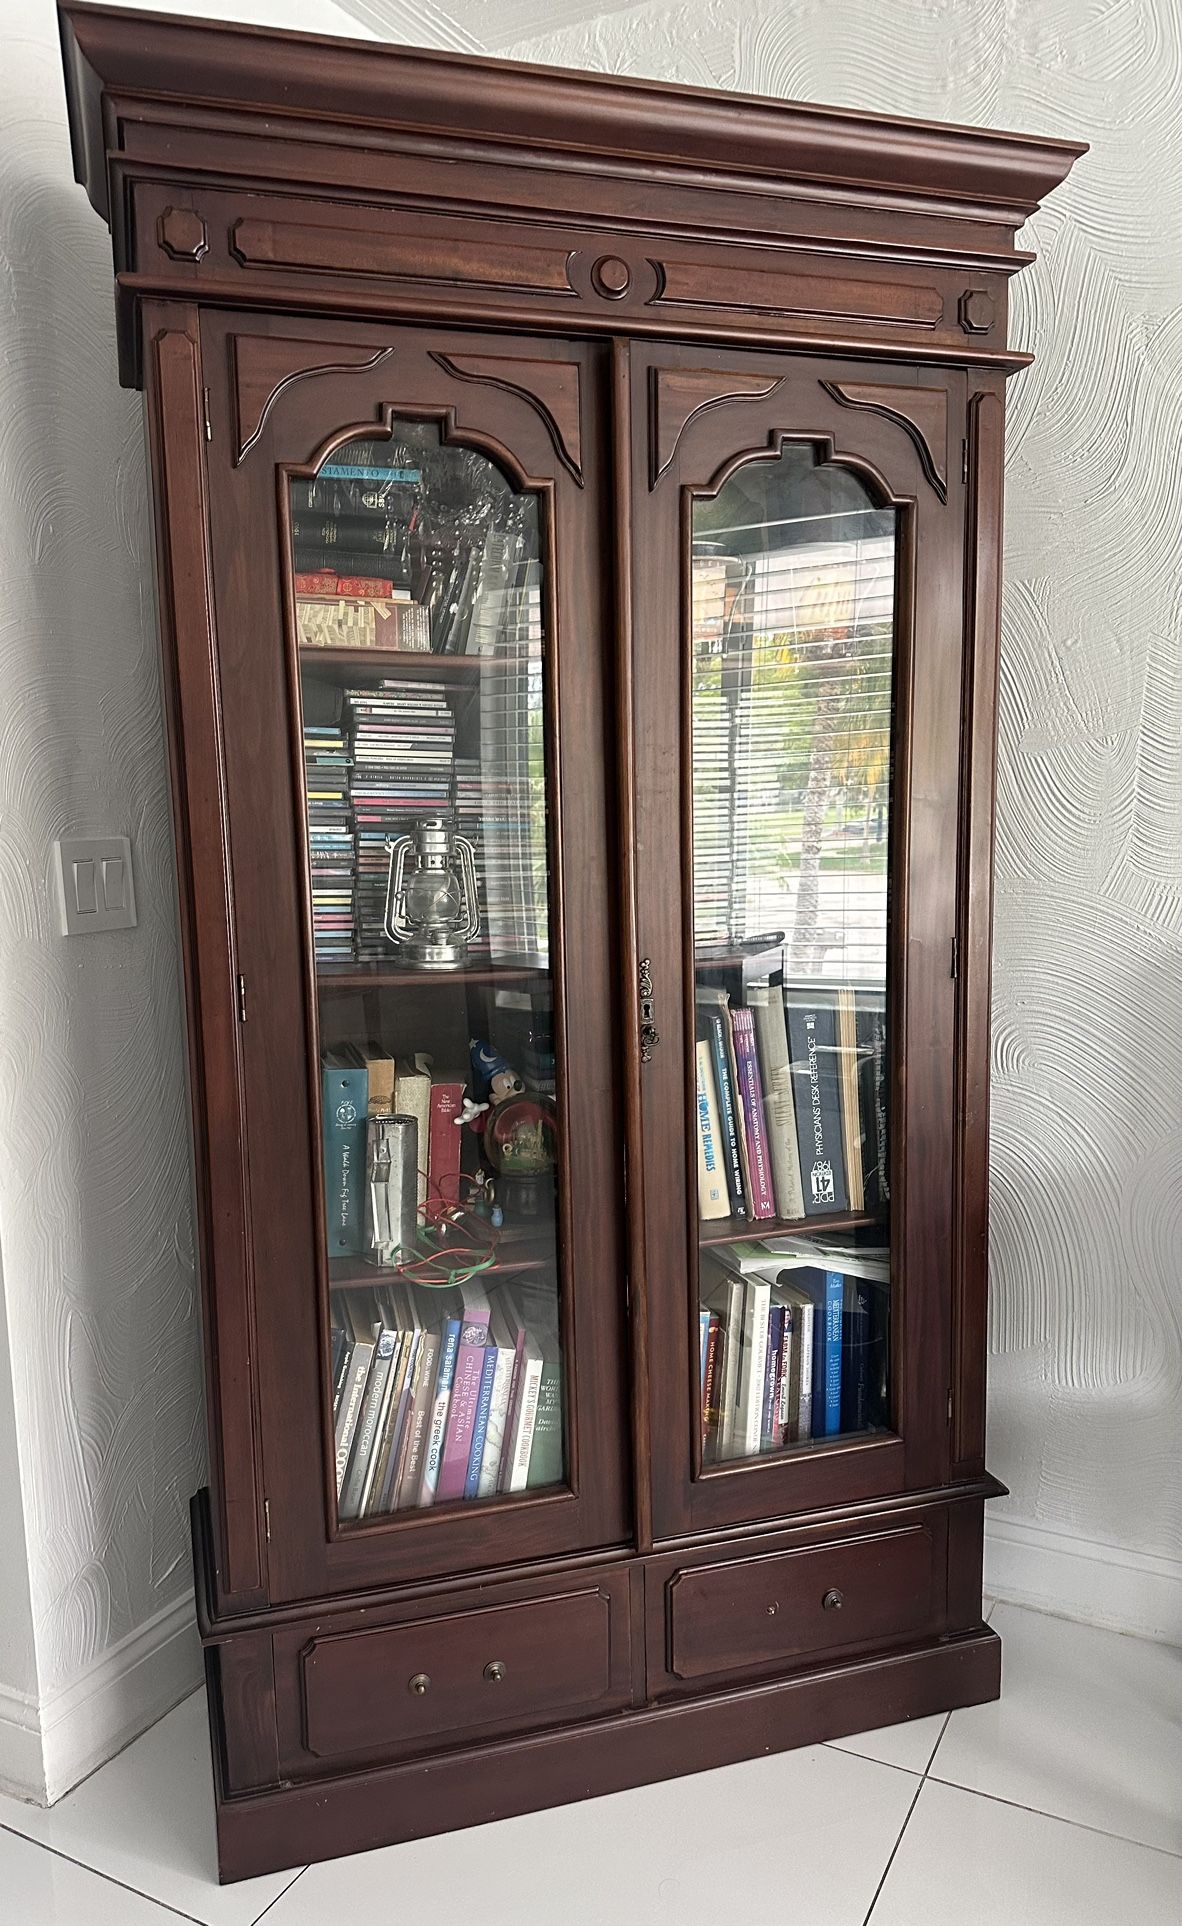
column 797, row 1112
column 420, row 614
column 447, row 1209
column 792, row 641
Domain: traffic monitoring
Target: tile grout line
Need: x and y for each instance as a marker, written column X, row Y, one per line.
column 149, row 1898
column 1040, row 1812
column 891, row 1857
column 923, row 1777
column 280, row 1895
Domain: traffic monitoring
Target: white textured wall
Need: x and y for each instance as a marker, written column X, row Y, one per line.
column 95, row 1229
column 1085, row 1407
column 102, row 1445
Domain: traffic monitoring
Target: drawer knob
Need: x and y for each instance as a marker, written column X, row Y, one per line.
column 833, row 1601
column 494, row 1671
column 420, row 1683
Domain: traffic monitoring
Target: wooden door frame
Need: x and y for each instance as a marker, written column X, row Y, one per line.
column 279, row 393
column 693, row 432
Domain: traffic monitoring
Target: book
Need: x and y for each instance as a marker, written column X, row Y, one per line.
column 379, row 1072
column 748, row 1424
column 461, row 1417
column 445, row 1142
column 725, row 1298
column 870, row 1030
column 484, row 1393
column 402, row 1380
column 864, row 1354
column 498, row 1406
column 344, row 1099
column 763, row 1198
column 827, row 1291
column 714, row 1006
column 339, row 1364
column 770, row 1430
column 545, row 1458
column 816, row 1097
column 766, row 1002
column 523, row 1401
column 360, row 1358
column 788, row 1369
column 713, row 1196
column 412, row 1098
column 386, row 1341
column 444, row 1379
column 711, row 1383
column 847, row 1052
column 418, row 1422
column 799, row 1412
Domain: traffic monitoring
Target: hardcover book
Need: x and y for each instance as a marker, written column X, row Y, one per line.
column 816, row 1096
column 714, row 1007
column 713, row 1196
column 871, row 1030
column 444, row 1379
column 763, row 1197
column 766, row 1002
column 484, row 1395
column 545, row 1458
column 344, row 1097
column 461, row 1418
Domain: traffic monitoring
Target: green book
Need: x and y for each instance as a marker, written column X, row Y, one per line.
column 545, row 1458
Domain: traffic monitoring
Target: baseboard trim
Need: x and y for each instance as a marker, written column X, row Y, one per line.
column 1083, row 1578
column 47, row 1747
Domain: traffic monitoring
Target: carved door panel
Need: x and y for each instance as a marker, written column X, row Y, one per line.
column 405, row 530
column 798, row 545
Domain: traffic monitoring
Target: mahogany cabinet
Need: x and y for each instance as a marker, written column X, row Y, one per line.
column 578, row 512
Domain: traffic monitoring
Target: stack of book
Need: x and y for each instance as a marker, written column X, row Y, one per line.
column 792, row 1101
column 362, row 1083
column 469, row 791
column 792, row 1347
column 513, row 776
column 402, row 740
column 442, row 1396
column 330, row 842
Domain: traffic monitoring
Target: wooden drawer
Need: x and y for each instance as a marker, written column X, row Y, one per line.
column 406, row 1686
column 756, row 1612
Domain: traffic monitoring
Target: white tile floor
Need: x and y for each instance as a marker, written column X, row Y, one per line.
column 1061, row 1806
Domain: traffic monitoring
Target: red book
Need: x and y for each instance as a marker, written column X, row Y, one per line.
column 322, row 582
column 374, row 585
column 444, row 1144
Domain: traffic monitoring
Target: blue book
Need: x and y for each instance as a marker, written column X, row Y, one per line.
column 864, row 1357
column 768, row 1438
column 826, row 1290
column 480, row 1424
column 445, row 1373
column 344, row 1094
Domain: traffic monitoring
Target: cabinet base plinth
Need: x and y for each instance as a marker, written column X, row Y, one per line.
column 297, row 1824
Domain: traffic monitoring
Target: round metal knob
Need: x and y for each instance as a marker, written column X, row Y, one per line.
column 420, row 1683
column 833, row 1601
column 494, row 1671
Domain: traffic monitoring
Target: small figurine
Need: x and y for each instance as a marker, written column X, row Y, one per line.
column 492, row 1077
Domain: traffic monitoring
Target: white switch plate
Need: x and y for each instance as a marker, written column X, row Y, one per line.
column 95, row 884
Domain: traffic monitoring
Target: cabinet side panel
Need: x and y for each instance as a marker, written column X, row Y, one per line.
column 176, row 432
column 986, row 418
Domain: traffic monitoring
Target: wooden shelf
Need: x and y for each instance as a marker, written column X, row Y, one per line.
column 334, row 977
column 519, row 1248
column 739, row 1230
column 417, row 664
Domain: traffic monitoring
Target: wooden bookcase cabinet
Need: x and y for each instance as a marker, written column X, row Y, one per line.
column 621, row 293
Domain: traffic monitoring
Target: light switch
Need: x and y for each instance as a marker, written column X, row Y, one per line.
column 95, row 883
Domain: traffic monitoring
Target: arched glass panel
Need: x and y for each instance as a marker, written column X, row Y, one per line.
column 419, row 609
column 793, row 638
